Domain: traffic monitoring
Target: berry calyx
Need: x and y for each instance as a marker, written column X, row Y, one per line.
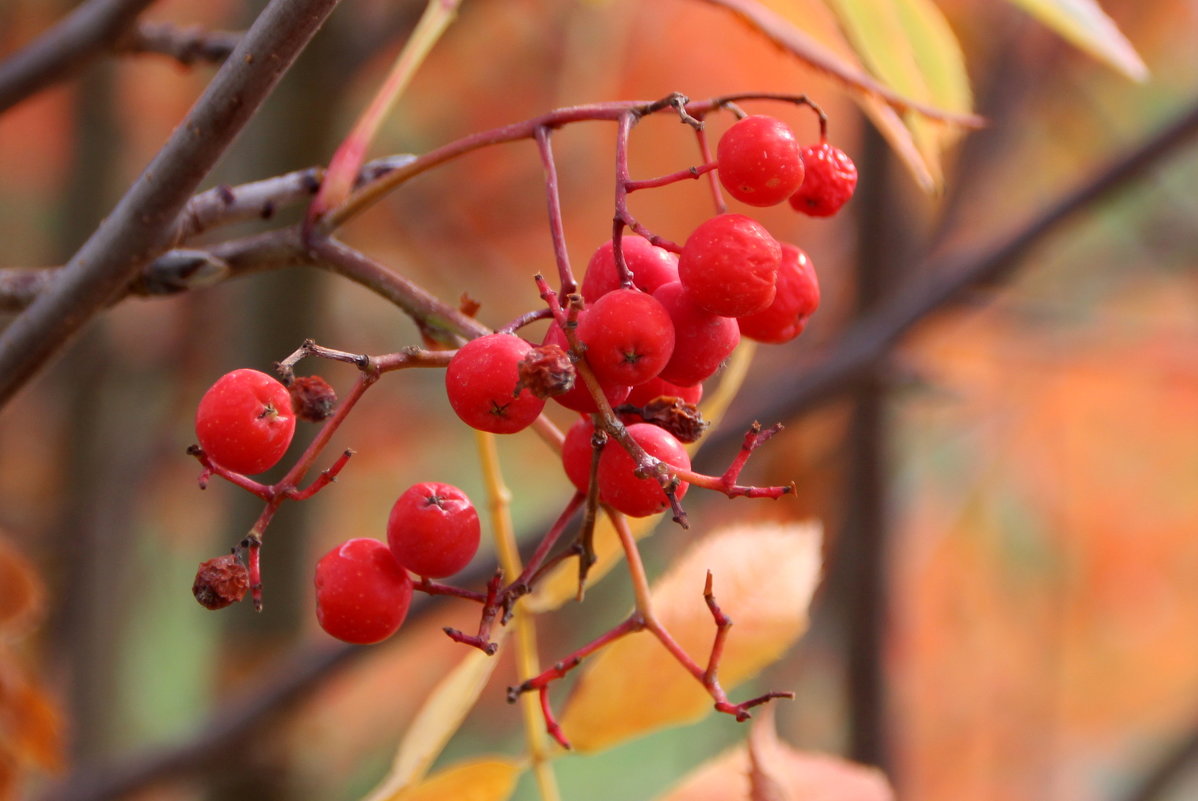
column 650, row 265
column 628, row 336
column 481, row 382
column 620, row 487
column 433, row 529
column 796, row 300
column 702, row 340
column 729, row 265
column 759, row 161
column 245, row 422
column 362, row 593
column 830, row 181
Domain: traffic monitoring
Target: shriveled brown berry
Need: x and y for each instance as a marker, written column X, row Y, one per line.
column 312, row 397
column 546, row 371
column 675, row 415
column 220, row 582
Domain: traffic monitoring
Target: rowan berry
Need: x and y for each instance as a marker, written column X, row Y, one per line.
column 245, row 422
column 481, row 384
column 702, row 340
column 796, row 300
column 759, row 161
column 576, row 453
column 433, row 529
column 619, row 485
column 651, row 266
column 628, row 337
column 829, row 183
column 729, row 265
column 220, row 582
column 362, row 593
column 578, row 397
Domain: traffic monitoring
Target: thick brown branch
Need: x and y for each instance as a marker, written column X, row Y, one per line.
column 138, row 228
column 86, row 33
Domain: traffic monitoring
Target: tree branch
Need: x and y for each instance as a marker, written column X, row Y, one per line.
column 86, row 32
column 185, row 45
column 137, row 229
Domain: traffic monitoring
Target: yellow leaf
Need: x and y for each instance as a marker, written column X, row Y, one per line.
column 764, row 576
column 437, row 721
column 480, row 779
column 909, row 45
column 1085, row 24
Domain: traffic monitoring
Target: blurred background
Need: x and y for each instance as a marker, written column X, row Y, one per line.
column 1010, row 601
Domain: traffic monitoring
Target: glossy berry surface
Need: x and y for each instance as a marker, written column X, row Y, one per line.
column 796, row 300
column 759, row 161
column 729, row 265
column 362, row 593
column 628, row 336
column 433, row 529
column 702, row 340
column 579, row 397
column 481, row 381
column 576, row 453
column 650, row 265
column 621, row 488
column 830, row 181
column 244, row 422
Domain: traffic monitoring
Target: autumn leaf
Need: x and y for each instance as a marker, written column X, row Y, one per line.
column 764, row 577
column 480, row 779
column 767, row 769
column 437, row 721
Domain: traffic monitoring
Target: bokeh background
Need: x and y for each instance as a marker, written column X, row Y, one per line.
column 1010, row 602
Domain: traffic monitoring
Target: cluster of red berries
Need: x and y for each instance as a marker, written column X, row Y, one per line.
column 245, row 423
column 682, row 316
column 649, row 341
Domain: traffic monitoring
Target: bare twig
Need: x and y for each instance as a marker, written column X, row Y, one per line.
column 185, row 45
column 87, row 32
column 138, row 228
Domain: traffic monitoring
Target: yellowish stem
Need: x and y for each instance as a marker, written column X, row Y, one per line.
column 523, row 626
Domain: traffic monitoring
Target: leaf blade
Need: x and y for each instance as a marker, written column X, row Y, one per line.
column 1087, row 26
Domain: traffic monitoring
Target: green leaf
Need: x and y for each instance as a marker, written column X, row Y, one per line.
column 1085, row 24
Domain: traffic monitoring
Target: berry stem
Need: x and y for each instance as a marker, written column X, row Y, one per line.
column 523, row 583
column 499, row 497
column 726, row 483
column 482, row 641
column 553, row 202
column 691, row 173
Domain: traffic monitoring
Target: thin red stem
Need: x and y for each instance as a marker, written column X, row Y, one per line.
column 557, row 229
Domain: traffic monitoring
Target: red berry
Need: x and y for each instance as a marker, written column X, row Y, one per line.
column 244, row 421
column 796, row 300
column 829, row 183
column 759, row 161
column 659, row 387
column 433, row 529
column 578, row 397
column 576, row 453
column 729, row 265
column 362, row 593
column 481, row 381
column 618, row 483
column 702, row 340
column 628, row 337
column 651, row 267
